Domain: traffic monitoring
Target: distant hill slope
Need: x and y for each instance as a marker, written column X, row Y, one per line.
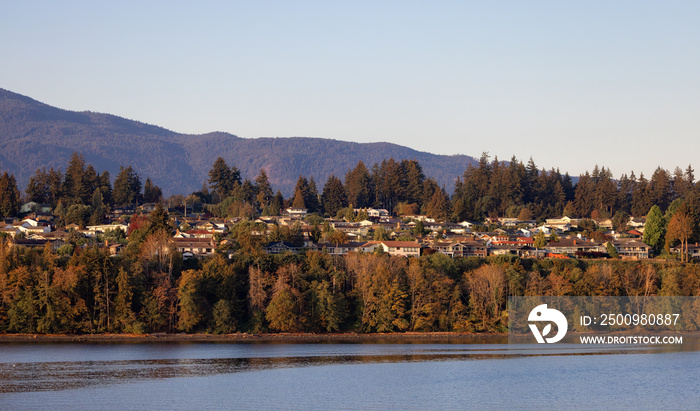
column 35, row 135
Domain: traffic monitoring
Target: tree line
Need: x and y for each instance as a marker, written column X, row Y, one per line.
column 80, row 195
column 490, row 188
column 398, row 186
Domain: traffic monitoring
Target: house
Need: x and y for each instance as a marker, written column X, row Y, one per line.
column 296, row 212
column 350, row 228
column 510, row 249
column 33, row 227
column 194, row 247
column 148, row 207
column 508, row 221
column 604, row 223
column 524, row 232
column 693, row 250
column 211, row 225
column 114, row 248
column 9, row 230
column 280, row 247
column 366, row 223
column 399, row 248
column 102, row 228
column 35, row 207
column 340, row 249
column 631, row 249
column 637, row 223
column 564, row 224
column 373, row 212
column 56, row 238
column 461, row 248
column 194, row 234
column 30, row 243
column 572, row 246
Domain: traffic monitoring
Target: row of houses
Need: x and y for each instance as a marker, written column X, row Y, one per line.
column 473, row 247
column 197, row 236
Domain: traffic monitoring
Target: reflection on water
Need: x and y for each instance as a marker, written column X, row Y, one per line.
column 55, row 367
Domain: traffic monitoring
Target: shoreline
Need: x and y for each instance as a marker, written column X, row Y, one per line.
column 287, row 338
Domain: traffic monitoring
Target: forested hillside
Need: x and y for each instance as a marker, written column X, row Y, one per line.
column 35, row 135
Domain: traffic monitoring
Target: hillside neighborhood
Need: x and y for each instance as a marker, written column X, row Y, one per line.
column 201, row 235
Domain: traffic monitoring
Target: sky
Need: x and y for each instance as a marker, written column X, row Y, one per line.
column 570, row 84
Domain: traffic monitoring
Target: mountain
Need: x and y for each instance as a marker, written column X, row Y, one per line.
column 35, row 135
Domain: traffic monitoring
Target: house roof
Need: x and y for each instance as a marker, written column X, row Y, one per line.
column 399, row 243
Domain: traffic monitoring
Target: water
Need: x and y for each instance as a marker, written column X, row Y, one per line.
column 346, row 376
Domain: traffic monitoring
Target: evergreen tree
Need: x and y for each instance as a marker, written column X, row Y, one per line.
column 299, row 200
column 641, row 202
column 263, row 189
column 311, row 197
column 655, row 229
column 98, row 208
column 277, row 204
column 91, row 181
column 39, row 186
column 151, row 193
column 358, row 186
column 660, row 188
column 222, row 179
column 439, row 206
column 333, row 197
column 414, row 178
column 106, row 187
column 584, row 202
column 9, row 196
column 159, row 220
column 127, row 187
column 388, row 178
column 73, row 183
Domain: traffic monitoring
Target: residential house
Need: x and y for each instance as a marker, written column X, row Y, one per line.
column 373, row 212
column 194, row 234
column 9, row 230
column 296, row 212
column 350, row 228
column 510, row 249
column 631, row 249
column 398, row 248
column 281, row 247
column 572, row 246
column 28, row 243
column 604, row 223
column 637, row 223
column 340, row 249
column 693, row 250
column 564, row 224
column 35, row 207
column 194, row 247
column 462, row 248
column 102, row 228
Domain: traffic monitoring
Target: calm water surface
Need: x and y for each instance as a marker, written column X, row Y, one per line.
column 346, row 376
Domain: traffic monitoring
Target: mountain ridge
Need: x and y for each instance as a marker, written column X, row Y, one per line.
column 35, row 135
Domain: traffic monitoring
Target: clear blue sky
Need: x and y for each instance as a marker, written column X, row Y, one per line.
column 572, row 84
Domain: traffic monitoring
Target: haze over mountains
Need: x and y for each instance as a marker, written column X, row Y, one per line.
column 35, row 135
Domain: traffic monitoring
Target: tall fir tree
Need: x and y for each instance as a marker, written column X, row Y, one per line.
column 333, row 198
column 151, row 192
column 127, row 187
column 358, row 186
column 9, row 196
